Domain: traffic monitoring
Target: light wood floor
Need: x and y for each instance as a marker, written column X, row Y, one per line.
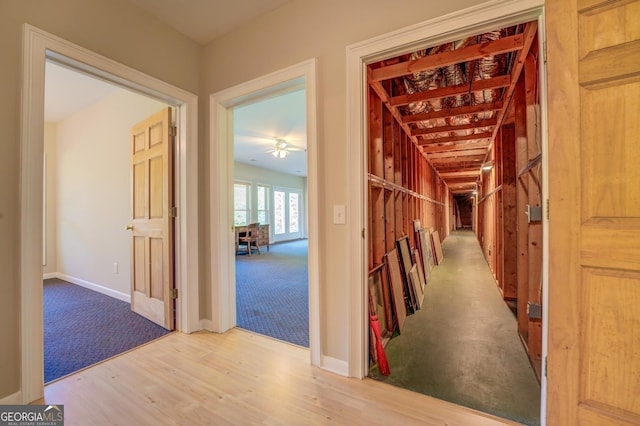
column 238, row 378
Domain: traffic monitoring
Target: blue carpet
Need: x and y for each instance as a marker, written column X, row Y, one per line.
column 83, row 327
column 272, row 292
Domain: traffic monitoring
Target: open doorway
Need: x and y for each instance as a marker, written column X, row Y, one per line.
column 427, row 145
column 87, row 266
column 223, row 300
column 39, row 47
column 270, row 186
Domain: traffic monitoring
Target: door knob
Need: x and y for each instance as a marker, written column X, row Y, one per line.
column 129, row 228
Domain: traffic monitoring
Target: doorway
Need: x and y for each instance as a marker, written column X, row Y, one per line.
column 296, row 77
column 87, row 167
column 40, row 46
column 270, row 180
column 469, row 22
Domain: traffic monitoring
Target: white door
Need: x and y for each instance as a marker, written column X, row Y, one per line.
column 287, row 223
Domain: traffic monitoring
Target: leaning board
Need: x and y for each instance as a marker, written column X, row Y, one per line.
column 395, row 277
column 437, row 248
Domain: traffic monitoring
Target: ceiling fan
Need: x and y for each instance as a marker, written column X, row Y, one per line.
column 282, row 148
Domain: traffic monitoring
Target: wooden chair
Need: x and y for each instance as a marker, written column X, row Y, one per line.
column 251, row 237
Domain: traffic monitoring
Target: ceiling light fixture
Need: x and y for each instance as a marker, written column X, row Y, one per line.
column 281, row 150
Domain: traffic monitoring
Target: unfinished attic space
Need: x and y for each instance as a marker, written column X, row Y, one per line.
column 455, row 221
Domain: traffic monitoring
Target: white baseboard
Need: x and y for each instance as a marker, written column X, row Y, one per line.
column 49, row 275
column 14, row 399
column 334, row 365
column 91, row 286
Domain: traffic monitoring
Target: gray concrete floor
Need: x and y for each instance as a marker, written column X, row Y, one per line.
column 463, row 345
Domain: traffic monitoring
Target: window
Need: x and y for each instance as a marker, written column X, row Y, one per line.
column 263, row 204
column 241, row 203
column 286, row 212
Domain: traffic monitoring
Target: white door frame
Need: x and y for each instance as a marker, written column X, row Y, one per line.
column 489, row 15
column 38, row 46
column 222, row 260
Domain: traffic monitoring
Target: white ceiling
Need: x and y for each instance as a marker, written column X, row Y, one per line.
column 256, row 126
column 205, row 20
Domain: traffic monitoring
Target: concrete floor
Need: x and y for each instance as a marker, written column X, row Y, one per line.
column 462, row 346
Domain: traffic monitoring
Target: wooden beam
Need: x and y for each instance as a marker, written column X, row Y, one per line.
column 443, row 92
column 435, row 141
column 452, row 112
column 456, row 154
column 460, row 146
column 460, row 174
column 490, row 122
column 529, row 34
column 477, row 51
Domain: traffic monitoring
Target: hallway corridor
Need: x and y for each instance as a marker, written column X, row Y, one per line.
column 462, row 346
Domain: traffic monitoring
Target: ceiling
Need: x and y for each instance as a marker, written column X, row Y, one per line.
column 206, row 20
column 256, row 126
column 451, row 99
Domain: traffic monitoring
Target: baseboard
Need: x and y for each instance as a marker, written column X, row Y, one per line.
column 334, row 365
column 14, row 399
column 91, row 286
column 206, row 324
column 49, row 275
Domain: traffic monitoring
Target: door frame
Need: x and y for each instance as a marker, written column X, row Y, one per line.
column 459, row 24
column 222, row 237
column 39, row 46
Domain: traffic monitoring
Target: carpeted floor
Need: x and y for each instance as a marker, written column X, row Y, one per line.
column 272, row 295
column 83, row 327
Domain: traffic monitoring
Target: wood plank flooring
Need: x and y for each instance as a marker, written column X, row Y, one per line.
column 238, row 378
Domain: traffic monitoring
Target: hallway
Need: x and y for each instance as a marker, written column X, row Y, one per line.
column 463, row 345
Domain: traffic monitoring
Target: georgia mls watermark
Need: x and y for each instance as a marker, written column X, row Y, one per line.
column 31, row 415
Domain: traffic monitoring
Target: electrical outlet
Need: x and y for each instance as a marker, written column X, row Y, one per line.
column 115, row 267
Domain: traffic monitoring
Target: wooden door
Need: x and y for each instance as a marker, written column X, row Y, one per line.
column 152, row 280
column 594, row 171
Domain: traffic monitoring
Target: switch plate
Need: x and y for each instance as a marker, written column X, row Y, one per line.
column 339, row 214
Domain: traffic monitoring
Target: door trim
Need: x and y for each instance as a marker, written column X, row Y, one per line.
column 459, row 24
column 222, row 261
column 38, row 46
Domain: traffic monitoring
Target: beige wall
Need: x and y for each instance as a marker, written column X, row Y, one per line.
column 50, row 263
column 298, row 31
column 93, row 188
column 294, row 33
column 112, row 28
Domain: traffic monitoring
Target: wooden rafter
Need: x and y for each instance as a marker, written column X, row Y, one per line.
column 453, row 112
column 474, row 86
column 460, row 146
column 457, row 154
column 477, row 51
column 490, row 122
column 460, row 174
column 471, row 137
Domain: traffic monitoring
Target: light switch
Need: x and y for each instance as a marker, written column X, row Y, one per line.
column 339, row 215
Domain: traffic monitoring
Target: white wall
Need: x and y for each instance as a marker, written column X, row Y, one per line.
column 258, row 175
column 93, row 189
